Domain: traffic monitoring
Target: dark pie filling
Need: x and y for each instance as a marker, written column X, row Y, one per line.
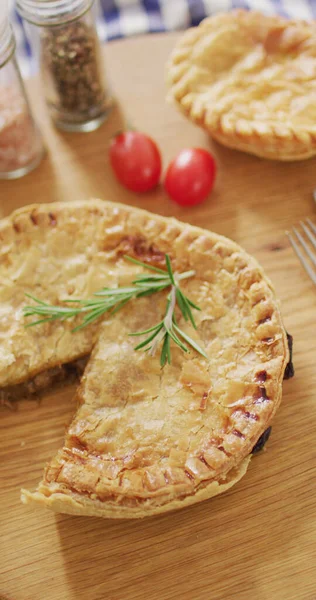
column 261, row 441
column 52, row 378
column 288, row 373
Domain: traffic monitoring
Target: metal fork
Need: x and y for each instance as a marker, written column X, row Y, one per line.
column 309, row 230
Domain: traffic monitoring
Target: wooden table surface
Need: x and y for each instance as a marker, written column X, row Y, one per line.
column 259, row 539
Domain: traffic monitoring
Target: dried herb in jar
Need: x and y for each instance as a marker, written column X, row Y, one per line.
column 70, row 58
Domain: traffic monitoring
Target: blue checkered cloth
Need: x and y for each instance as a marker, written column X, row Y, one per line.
column 122, row 18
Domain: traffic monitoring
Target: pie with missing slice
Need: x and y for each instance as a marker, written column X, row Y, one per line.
column 144, row 439
column 250, row 81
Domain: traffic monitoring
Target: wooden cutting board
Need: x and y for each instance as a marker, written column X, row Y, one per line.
column 259, row 539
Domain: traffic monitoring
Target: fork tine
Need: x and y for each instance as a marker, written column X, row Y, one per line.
column 305, row 246
column 311, row 225
column 302, row 258
column 309, row 234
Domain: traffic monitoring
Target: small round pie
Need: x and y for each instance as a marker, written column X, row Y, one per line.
column 250, row 81
column 144, row 439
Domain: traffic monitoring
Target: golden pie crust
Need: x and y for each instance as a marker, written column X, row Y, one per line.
column 250, row 81
column 144, row 440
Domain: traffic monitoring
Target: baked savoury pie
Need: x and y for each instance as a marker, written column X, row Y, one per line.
column 145, row 438
column 250, row 81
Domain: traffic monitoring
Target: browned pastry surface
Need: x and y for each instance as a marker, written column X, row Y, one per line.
column 144, row 439
column 250, row 81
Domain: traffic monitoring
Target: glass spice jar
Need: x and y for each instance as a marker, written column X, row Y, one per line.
column 70, row 61
column 21, row 147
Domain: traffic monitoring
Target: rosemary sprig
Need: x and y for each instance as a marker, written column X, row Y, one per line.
column 112, row 300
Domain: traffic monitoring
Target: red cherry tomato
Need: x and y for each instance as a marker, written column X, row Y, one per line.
column 136, row 161
column 190, row 176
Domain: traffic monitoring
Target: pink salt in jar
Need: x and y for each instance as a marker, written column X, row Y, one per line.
column 21, row 146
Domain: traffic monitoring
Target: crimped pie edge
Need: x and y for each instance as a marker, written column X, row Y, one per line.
column 76, row 504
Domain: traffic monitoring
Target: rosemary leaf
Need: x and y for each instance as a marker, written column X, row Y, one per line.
column 93, row 316
column 36, row 299
column 141, row 264
column 186, row 275
column 181, row 304
column 152, row 291
column 188, row 308
column 168, row 350
column 170, row 271
column 146, row 330
column 193, row 305
column 175, row 338
column 38, row 322
column 191, row 342
column 151, row 278
column 116, row 291
column 165, row 352
column 155, row 285
column 119, row 306
column 149, row 339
